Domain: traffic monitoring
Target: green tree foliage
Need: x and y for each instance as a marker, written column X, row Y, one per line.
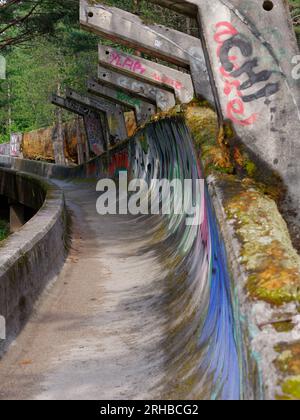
column 4, row 229
column 22, row 20
column 61, row 56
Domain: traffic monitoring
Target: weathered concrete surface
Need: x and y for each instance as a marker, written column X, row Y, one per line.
column 96, row 128
column 155, row 40
column 265, row 289
column 143, row 109
column 16, row 217
column 250, row 53
column 97, row 331
column 16, row 145
column 163, row 99
column 29, row 258
column 49, row 170
column 180, row 6
column 268, row 271
column 146, row 70
column 113, row 112
column 38, row 144
column 5, row 149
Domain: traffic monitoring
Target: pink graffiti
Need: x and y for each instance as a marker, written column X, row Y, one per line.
column 127, row 63
column 162, row 78
column 119, row 161
column 235, row 106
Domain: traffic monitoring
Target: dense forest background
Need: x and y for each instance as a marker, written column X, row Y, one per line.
column 46, row 51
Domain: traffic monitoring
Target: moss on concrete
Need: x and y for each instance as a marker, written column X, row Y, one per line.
column 288, row 364
column 283, row 326
column 209, row 138
column 4, row 229
column 268, row 256
column 272, row 264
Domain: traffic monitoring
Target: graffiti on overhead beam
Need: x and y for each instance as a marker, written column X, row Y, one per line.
column 230, row 41
column 135, row 66
column 167, row 80
column 121, row 96
column 127, row 63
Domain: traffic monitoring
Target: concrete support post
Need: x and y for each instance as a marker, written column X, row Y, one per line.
column 143, row 110
column 148, row 71
column 16, row 140
column 58, row 143
column 17, row 217
column 80, row 144
column 155, row 40
column 114, row 113
column 96, row 137
column 250, row 51
column 162, row 98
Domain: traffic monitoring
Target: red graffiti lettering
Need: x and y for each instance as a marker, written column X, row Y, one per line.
column 128, row 63
column 162, row 78
column 235, row 107
column 115, row 59
column 118, row 162
column 138, row 68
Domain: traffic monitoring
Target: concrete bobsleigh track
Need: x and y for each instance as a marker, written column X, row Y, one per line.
column 151, row 306
column 146, row 306
column 149, row 310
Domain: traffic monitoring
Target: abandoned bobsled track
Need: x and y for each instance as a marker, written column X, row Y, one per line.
column 151, row 307
column 142, row 307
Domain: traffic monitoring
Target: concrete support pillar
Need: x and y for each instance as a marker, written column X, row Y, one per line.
column 16, row 140
column 250, row 50
column 94, row 130
column 17, row 217
column 115, row 120
column 80, row 143
column 58, row 144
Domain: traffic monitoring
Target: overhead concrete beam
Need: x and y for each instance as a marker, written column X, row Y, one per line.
column 113, row 112
column 179, row 6
column 148, row 71
column 143, row 110
column 163, row 99
column 155, row 40
column 96, row 135
column 250, row 49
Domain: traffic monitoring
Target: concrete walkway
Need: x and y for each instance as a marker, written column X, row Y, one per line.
column 97, row 330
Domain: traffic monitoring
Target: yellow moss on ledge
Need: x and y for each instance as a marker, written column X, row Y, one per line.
column 208, row 138
column 268, row 256
column 288, row 363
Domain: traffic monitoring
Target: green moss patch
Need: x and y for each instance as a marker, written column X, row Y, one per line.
column 4, row 229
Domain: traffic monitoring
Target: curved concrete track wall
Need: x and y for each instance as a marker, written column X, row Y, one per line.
column 202, row 351
column 27, row 258
column 179, row 312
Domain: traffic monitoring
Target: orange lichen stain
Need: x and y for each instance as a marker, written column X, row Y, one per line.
column 130, row 122
column 288, row 364
column 25, row 363
column 289, row 358
column 38, row 144
column 272, row 263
